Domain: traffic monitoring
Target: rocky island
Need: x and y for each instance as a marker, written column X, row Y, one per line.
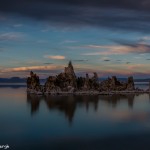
column 68, row 83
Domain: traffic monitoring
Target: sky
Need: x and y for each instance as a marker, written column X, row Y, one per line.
column 111, row 37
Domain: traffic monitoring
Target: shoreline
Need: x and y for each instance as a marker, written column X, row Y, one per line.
column 88, row 92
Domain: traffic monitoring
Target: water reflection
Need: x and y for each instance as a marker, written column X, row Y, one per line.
column 97, row 122
column 115, row 99
column 69, row 104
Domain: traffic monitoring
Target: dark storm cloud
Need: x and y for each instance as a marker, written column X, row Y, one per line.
column 128, row 4
column 107, row 60
column 113, row 14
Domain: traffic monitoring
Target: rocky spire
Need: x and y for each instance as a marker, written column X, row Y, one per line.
column 70, row 70
column 70, row 64
column 33, row 82
column 86, row 83
column 130, row 83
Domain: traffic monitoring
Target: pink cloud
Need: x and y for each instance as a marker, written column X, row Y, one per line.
column 59, row 57
column 19, row 69
column 117, row 49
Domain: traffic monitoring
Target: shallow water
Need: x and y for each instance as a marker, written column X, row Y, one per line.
column 74, row 122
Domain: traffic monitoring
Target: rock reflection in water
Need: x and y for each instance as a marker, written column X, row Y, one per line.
column 114, row 99
column 68, row 104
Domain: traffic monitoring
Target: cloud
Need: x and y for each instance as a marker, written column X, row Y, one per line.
column 18, row 25
column 11, row 36
column 137, row 57
column 146, row 38
column 68, row 41
column 137, row 67
column 117, row 14
column 118, row 49
column 22, row 69
column 2, row 18
column 58, row 57
column 42, row 41
column 128, row 62
column 107, row 60
column 48, row 63
column 121, row 70
column 80, row 60
column 43, row 71
column 45, row 30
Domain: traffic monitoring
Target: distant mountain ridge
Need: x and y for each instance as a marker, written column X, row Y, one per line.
column 13, row 80
column 16, row 80
column 23, row 80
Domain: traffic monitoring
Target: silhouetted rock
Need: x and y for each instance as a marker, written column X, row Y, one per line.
column 130, row 84
column 112, row 84
column 33, row 83
column 63, row 82
column 51, row 85
column 86, row 82
column 95, row 83
column 67, row 82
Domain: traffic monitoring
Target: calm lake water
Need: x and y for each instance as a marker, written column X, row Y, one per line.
column 118, row 122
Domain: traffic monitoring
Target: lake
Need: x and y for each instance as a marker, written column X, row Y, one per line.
column 118, row 122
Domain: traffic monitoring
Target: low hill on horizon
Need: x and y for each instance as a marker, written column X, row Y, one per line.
column 23, row 80
column 13, row 80
column 16, row 80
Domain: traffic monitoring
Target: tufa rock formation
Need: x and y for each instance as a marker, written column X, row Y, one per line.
column 130, row 84
column 67, row 82
column 112, row 84
column 33, row 83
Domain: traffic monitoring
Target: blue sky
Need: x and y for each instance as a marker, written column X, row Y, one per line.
column 93, row 42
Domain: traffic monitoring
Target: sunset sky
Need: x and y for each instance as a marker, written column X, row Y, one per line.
column 111, row 37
